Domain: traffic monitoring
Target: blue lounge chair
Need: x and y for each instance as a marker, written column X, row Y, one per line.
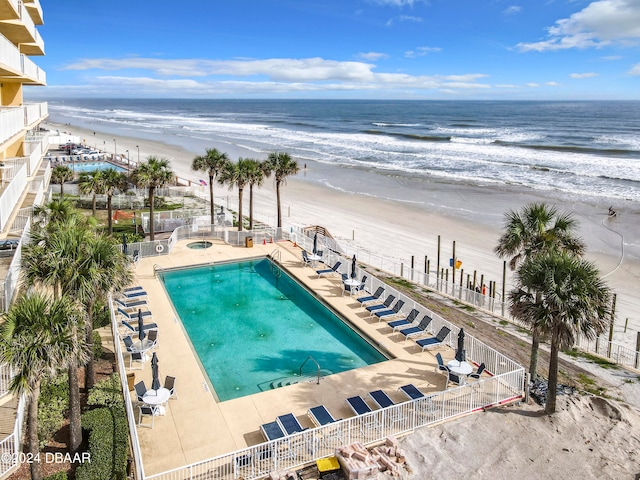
column 371, row 298
column 419, row 329
column 358, row 405
column 382, row 306
column 146, row 326
column 289, row 424
column 133, row 289
column 320, row 416
column 272, row 431
column 131, row 304
column 133, row 315
column 425, row 343
column 333, row 269
column 381, row 399
column 404, row 322
column 389, row 313
column 411, row 391
column 134, row 294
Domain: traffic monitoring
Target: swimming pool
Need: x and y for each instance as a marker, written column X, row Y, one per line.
column 252, row 326
column 91, row 166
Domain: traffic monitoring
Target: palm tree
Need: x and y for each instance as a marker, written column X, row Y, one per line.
column 281, row 165
column 563, row 296
column 56, row 210
column 103, row 268
column 213, row 163
column 37, row 339
column 54, row 261
column 91, row 182
column 256, row 172
column 112, row 182
column 61, row 174
column 536, row 229
column 151, row 174
column 237, row 175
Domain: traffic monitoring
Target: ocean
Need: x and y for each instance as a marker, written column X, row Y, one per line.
column 580, row 149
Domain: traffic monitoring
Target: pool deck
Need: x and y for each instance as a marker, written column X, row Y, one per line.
column 197, row 427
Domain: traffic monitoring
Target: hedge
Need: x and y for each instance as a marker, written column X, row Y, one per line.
column 57, row 476
column 108, row 444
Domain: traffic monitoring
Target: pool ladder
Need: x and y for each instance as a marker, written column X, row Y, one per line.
column 317, row 365
column 276, row 256
column 158, row 271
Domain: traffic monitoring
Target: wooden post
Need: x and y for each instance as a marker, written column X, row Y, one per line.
column 637, row 349
column 438, row 262
column 453, row 263
column 475, row 274
column 412, row 266
column 461, row 280
column 504, row 285
column 428, row 268
column 426, row 271
column 626, row 324
column 401, row 270
column 613, row 318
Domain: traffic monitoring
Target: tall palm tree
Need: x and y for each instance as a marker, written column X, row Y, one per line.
column 151, row 174
column 112, row 181
column 103, row 268
column 54, row 261
column 538, row 228
column 61, row 174
column 212, row 162
column 54, row 211
column 237, row 175
column 91, row 182
column 37, row 339
column 563, row 295
column 282, row 166
column 256, row 172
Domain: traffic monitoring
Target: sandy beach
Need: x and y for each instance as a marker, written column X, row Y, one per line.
column 397, row 217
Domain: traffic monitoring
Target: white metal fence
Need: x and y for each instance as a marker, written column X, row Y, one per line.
column 10, row 447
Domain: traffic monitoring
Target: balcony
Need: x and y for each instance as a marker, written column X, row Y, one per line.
column 9, row 9
column 22, row 31
column 15, row 120
column 35, row 9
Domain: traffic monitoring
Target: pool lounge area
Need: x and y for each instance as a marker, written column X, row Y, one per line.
column 197, row 427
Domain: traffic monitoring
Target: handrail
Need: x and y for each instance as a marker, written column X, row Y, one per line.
column 317, row 365
column 277, row 255
column 158, row 268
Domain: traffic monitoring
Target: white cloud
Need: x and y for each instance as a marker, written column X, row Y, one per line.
column 421, row 52
column 274, row 75
column 393, row 3
column 372, row 56
column 552, row 84
column 635, row 70
column 584, row 75
column 410, row 18
column 533, row 85
column 611, row 58
column 512, row 10
column 601, row 23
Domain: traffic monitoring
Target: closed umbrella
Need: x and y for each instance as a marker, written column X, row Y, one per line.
column 141, row 333
column 353, row 267
column 155, row 383
column 460, row 352
column 125, row 247
column 315, row 243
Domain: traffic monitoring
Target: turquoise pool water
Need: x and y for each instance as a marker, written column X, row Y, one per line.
column 91, row 166
column 251, row 324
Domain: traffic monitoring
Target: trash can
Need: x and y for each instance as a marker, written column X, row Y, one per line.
column 248, row 242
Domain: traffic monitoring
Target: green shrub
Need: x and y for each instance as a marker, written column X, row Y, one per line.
column 101, row 315
column 97, row 345
column 57, row 476
column 108, row 444
column 106, row 393
column 52, row 404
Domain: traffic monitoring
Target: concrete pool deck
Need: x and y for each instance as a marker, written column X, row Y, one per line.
column 197, row 427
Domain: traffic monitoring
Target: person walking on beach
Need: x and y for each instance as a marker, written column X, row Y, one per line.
column 612, row 212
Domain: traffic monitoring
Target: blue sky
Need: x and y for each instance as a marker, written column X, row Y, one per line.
column 387, row 49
